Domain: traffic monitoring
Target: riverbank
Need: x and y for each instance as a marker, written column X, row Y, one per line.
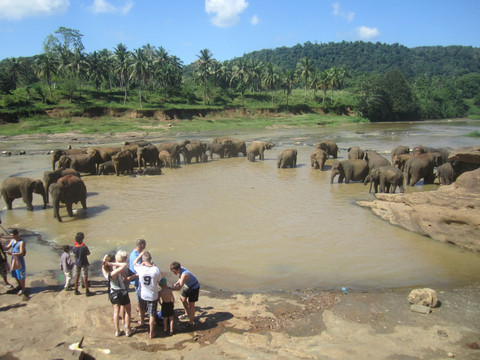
column 305, row 324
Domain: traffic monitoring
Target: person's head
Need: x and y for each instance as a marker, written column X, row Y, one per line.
column 163, row 282
column 66, row 248
column 141, row 245
column 121, row 256
column 79, row 237
column 14, row 233
column 107, row 259
column 146, row 257
column 175, row 267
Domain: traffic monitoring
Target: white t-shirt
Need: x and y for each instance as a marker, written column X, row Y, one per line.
column 148, row 279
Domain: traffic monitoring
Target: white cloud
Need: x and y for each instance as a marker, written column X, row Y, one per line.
column 338, row 11
column 226, row 11
column 366, row 33
column 106, row 7
column 254, row 20
column 19, row 9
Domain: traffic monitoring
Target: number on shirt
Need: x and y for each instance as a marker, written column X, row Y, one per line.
column 147, row 280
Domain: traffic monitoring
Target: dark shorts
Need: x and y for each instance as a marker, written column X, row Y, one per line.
column 120, row 299
column 150, row 307
column 167, row 309
column 191, row 294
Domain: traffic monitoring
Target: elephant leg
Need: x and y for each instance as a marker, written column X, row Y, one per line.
column 28, row 200
column 84, row 203
column 9, row 202
column 68, row 204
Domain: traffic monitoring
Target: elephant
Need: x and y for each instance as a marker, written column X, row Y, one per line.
column 233, row 146
column 20, row 187
column 83, row 163
column 420, row 149
column 421, row 166
column 195, row 149
column 166, row 159
column 50, row 177
column 132, row 148
column 329, row 146
column 287, row 158
column 318, row 157
column 147, row 154
column 400, row 160
column 221, row 149
column 375, row 160
column 355, row 153
column 57, row 154
column 175, row 149
column 102, row 154
column 257, row 148
column 123, row 162
column 150, row 170
column 140, row 143
column 446, row 173
column 68, row 190
column 350, row 170
column 399, row 150
column 106, row 168
column 387, row 177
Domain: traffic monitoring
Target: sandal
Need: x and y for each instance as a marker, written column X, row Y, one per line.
column 131, row 332
column 9, row 286
column 119, row 333
column 184, row 316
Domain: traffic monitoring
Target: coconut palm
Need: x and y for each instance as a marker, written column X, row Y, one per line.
column 270, row 78
column 122, row 64
column 305, row 69
column 204, row 63
column 288, row 79
column 14, row 69
column 139, row 70
column 46, row 67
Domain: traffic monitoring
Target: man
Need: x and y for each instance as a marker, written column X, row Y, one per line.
column 149, row 277
column 140, row 246
column 81, row 262
column 190, row 290
column 18, row 251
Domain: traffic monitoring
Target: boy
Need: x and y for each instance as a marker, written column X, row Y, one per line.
column 81, row 262
column 66, row 265
column 167, row 300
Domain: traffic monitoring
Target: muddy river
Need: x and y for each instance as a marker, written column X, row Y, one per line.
column 249, row 226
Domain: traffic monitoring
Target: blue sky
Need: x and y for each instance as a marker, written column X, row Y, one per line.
column 231, row 28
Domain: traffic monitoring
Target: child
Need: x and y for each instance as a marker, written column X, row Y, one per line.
column 166, row 299
column 81, row 263
column 66, row 265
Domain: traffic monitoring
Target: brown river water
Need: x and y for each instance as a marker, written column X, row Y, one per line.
column 246, row 226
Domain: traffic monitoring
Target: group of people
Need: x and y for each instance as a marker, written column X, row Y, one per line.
column 151, row 289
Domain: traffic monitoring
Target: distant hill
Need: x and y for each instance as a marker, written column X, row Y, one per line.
column 367, row 57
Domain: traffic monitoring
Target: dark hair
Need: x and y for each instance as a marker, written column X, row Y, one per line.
column 66, row 248
column 175, row 265
column 15, row 232
column 79, row 237
column 141, row 242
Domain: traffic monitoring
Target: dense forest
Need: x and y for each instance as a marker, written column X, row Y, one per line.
column 376, row 81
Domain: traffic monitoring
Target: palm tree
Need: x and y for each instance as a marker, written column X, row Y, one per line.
column 46, row 67
column 96, row 69
column 323, row 81
column 240, row 75
column 305, row 68
column 14, row 69
column 270, row 78
column 288, row 79
column 122, row 63
column 140, row 70
column 106, row 60
column 204, row 63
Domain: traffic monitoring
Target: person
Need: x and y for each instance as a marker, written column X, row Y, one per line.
column 81, row 262
column 148, row 278
column 190, row 290
column 167, row 301
column 4, row 267
column 66, row 265
column 18, row 267
column 140, row 246
column 115, row 273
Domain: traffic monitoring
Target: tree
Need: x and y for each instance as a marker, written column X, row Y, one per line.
column 140, row 70
column 14, row 69
column 204, row 63
column 270, row 78
column 288, row 79
column 305, row 68
column 46, row 66
column 122, row 64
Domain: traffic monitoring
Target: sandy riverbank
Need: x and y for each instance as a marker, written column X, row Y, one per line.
column 299, row 325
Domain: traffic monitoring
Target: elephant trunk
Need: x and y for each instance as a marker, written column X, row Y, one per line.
column 333, row 174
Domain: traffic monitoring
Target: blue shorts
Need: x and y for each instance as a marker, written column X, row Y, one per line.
column 19, row 274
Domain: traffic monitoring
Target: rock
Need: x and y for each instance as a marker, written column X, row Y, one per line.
column 424, row 297
column 467, row 154
column 450, row 214
column 422, row 309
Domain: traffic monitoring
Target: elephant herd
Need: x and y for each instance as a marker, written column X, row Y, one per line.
column 64, row 183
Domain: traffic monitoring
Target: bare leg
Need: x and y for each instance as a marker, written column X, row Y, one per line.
column 127, row 315
column 151, row 322
column 185, row 305
column 171, row 324
column 116, row 311
column 165, row 328
column 191, row 312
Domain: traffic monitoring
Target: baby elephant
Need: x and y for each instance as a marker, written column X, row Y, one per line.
column 287, row 158
column 19, row 187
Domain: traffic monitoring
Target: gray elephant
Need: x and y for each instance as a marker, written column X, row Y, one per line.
column 446, row 174
column 287, row 158
column 355, row 153
column 399, row 150
column 386, row 179
column 147, row 155
column 57, row 154
column 166, row 159
column 318, row 157
column 150, row 170
column 217, row 148
column 400, row 160
column 106, row 168
column 20, row 187
column 257, row 148
column 175, row 149
column 68, row 190
column 420, row 166
column 350, row 170
column 102, row 154
column 375, row 160
column 195, row 149
column 50, row 177
column 233, row 147
column 82, row 163
column 123, row 162
column 329, row 146
column 140, row 143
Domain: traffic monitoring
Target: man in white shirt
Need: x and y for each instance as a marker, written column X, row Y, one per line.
column 149, row 277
